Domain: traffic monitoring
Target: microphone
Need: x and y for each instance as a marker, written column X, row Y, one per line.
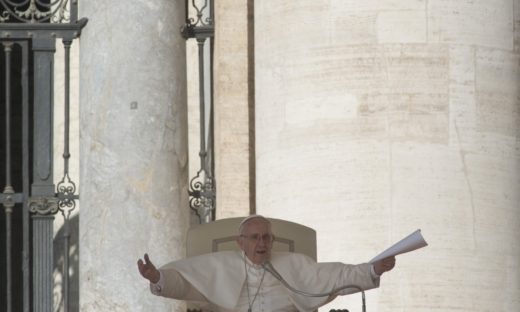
column 270, row 268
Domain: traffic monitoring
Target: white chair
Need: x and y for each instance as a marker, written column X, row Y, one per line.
column 221, row 235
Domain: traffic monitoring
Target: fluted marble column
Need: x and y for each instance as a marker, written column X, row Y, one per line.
column 133, row 150
column 375, row 118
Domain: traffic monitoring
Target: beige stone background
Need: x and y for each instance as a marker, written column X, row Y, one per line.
column 376, row 118
column 371, row 119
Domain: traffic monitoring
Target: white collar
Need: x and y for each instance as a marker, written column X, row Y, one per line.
column 250, row 264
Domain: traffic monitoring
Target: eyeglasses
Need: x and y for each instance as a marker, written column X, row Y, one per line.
column 267, row 238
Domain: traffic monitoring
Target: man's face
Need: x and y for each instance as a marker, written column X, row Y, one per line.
column 256, row 240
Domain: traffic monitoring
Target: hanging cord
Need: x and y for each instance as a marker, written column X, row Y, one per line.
column 269, row 267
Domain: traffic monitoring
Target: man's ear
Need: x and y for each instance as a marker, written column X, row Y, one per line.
column 240, row 242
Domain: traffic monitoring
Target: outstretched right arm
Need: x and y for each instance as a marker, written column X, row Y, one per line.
column 168, row 282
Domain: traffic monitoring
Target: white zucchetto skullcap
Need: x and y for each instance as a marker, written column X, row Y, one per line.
column 246, row 219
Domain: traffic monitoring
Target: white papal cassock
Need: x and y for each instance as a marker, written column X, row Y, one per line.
column 219, row 280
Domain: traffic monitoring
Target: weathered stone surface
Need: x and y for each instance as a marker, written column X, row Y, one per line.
column 498, row 92
column 133, row 150
column 232, row 108
column 402, row 26
column 482, row 23
column 406, row 117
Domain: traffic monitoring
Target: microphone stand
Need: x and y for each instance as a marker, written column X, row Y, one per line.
column 269, row 268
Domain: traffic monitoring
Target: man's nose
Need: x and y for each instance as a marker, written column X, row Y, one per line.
column 264, row 239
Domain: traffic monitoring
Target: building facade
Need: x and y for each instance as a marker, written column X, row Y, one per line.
column 364, row 120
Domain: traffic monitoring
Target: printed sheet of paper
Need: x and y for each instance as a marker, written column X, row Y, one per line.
column 409, row 243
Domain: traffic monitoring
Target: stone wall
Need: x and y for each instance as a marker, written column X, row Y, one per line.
column 232, row 109
column 376, row 118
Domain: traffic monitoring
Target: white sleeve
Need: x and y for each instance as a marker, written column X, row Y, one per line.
column 172, row 285
column 361, row 275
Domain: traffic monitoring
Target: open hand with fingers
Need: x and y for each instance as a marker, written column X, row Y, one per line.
column 148, row 270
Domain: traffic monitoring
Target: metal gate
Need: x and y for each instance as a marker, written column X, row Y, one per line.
column 30, row 197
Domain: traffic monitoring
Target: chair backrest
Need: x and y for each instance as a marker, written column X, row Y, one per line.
column 221, row 235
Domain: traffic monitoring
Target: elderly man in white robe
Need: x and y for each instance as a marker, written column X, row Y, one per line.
column 241, row 281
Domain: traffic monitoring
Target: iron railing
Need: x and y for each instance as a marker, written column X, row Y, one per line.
column 202, row 188
column 30, row 28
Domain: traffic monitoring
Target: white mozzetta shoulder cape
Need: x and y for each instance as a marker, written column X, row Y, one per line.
column 220, row 276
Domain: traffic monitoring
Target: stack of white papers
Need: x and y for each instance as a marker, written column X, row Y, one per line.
column 409, row 243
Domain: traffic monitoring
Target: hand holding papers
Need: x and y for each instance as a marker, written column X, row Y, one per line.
column 409, row 243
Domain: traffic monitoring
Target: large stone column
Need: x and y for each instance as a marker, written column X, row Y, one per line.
column 133, row 150
column 376, row 118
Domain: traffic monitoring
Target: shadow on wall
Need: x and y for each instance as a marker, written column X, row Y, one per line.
column 59, row 261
